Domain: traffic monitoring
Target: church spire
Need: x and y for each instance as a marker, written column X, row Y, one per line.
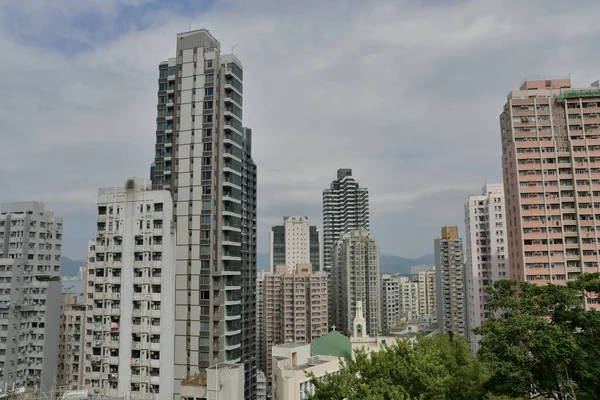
column 359, row 323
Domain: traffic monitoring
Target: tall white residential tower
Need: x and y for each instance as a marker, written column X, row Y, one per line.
column 130, row 294
column 487, row 255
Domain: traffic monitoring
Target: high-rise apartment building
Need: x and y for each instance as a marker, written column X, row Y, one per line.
column 295, row 308
column 295, row 242
column 345, row 208
column 72, row 343
column 551, row 167
column 425, row 279
column 260, row 317
column 30, row 259
column 204, row 156
column 486, row 256
column 355, row 276
column 450, row 282
column 130, row 296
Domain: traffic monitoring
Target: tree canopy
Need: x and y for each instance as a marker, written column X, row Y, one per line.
column 542, row 342
column 439, row 367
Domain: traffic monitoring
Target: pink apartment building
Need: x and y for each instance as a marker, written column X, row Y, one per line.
column 295, row 307
column 551, row 168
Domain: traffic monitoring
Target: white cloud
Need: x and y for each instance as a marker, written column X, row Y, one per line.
column 405, row 93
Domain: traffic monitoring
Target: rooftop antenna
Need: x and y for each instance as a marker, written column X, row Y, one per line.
column 189, row 25
column 233, row 48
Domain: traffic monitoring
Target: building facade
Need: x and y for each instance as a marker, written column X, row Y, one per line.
column 425, row 278
column 355, row 276
column 130, row 300
column 261, row 362
column 551, row 168
column 292, row 362
column 204, row 156
column 72, row 343
column 450, row 282
column 295, row 308
column 486, row 256
column 218, row 382
column 30, row 259
column 295, row 242
column 345, row 208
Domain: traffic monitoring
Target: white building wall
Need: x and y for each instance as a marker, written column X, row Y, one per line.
column 30, row 249
column 130, row 298
column 487, row 251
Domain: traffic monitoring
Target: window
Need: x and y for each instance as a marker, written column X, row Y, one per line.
column 203, row 341
column 209, row 63
column 207, row 132
column 206, row 175
column 207, row 146
column 204, row 264
column 162, row 73
column 208, row 105
column 208, row 91
column 205, row 295
column 206, row 161
column 205, row 280
column 208, row 119
column 205, row 249
column 204, row 310
column 158, row 207
column 206, row 204
column 203, row 326
column 210, row 78
column 205, row 220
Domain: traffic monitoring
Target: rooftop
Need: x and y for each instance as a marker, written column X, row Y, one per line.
column 194, row 380
column 332, row 344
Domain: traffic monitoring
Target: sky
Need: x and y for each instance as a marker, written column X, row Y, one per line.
column 406, row 93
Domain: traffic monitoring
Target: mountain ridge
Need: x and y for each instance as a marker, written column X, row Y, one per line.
column 389, row 263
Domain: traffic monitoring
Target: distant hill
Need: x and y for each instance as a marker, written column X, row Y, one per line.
column 400, row 265
column 70, row 267
column 389, row 263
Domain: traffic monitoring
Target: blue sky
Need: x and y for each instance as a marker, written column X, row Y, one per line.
column 406, row 93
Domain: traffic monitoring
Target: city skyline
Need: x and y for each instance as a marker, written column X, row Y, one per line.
column 106, row 72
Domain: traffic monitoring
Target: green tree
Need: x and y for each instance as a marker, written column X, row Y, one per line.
column 440, row 367
column 543, row 342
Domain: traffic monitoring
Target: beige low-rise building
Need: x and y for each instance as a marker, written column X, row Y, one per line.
column 292, row 364
column 221, row 381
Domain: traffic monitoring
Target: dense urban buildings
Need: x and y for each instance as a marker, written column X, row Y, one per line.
column 345, row 208
column 30, row 259
column 295, row 242
column 450, row 282
column 295, row 308
column 203, row 155
column 355, row 276
column 130, row 298
column 551, row 167
column 399, row 300
column 486, row 256
column 406, row 299
column 72, row 343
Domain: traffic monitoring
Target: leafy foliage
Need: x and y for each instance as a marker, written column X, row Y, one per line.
column 543, row 341
column 439, row 367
